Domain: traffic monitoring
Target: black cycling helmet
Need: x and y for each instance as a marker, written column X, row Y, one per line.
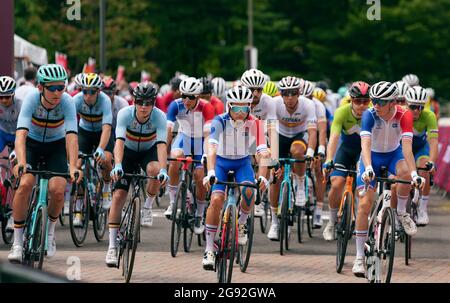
column 175, row 83
column 207, row 85
column 145, row 90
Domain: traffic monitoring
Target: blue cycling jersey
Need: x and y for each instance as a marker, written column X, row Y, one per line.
column 47, row 125
column 141, row 136
column 93, row 117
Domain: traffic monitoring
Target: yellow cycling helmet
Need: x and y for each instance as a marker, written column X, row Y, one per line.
column 319, row 94
column 91, row 80
column 270, row 89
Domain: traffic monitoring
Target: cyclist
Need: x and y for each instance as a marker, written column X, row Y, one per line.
column 9, row 112
column 425, row 143
column 206, row 94
column 94, row 109
column 47, row 123
column 109, row 88
column 344, row 138
column 402, row 89
column 141, row 135
column 432, row 104
column 297, row 128
column 174, row 93
column 383, row 127
column 318, row 97
column 194, row 117
column 262, row 107
column 411, row 79
column 231, row 135
column 29, row 85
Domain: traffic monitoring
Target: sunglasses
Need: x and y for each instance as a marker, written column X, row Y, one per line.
column 188, row 96
column 289, row 92
column 414, row 107
column 359, row 101
column 258, row 89
column 144, row 102
column 380, row 102
column 90, row 91
column 54, row 88
column 238, row 108
column 5, row 97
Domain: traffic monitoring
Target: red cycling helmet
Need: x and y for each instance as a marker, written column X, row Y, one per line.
column 359, row 89
column 109, row 83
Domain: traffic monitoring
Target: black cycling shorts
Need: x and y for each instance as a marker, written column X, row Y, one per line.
column 52, row 154
column 284, row 144
column 88, row 141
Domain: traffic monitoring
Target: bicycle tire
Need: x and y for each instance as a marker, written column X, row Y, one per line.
column 263, row 220
column 78, row 234
column 310, row 208
column 100, row 215
column 132, row 238
column 62, row 218
column 189, row 221
column 283, row 230
column 38, row 239
column 228, row 245
column 387, row 245
column 6, row 214
column 246, row 250
column 177, row 219
column 407, row 238
column 344, row 231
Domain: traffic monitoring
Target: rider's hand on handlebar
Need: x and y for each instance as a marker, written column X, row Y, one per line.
column 419, row 181
column 368, row 175
column 99, row 155
column 431, row 167
column 327, row 167
column 117, row 172
column 210, row 179
column 263, row 183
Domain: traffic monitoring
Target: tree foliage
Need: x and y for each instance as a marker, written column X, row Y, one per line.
column 332, row 40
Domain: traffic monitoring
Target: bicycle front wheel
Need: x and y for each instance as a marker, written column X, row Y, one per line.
column 177, row 219
column 131, row 238
column 387, row 246
column 79, row 214
column 189, row 221
column 343, row 230
column 246, row 250
column 284, row 220
column 100, row 219
column 227, row 247
column 264, row 219
column 38, row 239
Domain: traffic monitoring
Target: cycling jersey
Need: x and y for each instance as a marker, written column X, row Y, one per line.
column 386, row 135
column 217, row 104
column 47, row 125
column 192, row 123
column 9, row 116
column 347, row 125
column 117, row 105
column 303, row 118
column 320, row 110
column 424, row 127
column 141, row 136
column 93, row 117
column 236, row 142
column 265, row 109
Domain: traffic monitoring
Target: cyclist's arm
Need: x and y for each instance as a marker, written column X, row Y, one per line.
column 406, row 124
column 118, row 150
column 311, row 124
column 312, row 138
column 161, row 136
column 162, row 155
column 332, row 146
column 123, row 117
column 213, row 142
column 172, row 112
column 322, row 127
column 72, row 149
column 19, row 146
column 432, row 135
column 434, row 151
column 104, row 138
column 169, row 138
column 208, row 115
column 367, row 124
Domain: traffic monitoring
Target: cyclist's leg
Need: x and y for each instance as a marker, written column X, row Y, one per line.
column 196, row 145
column 173, row 172
column 298, row 149
column 361, row 225
column 422, row 156
column 150, row 163
column 213, row 213
column 244, row 174
column 106, row 170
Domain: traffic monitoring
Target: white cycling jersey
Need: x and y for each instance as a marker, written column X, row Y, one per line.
column 302, row 119
column 320, row 110
column 117, row 105
column 265, row 109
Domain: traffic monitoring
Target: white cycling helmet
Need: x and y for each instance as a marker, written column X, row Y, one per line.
column 191, row 86
column 430, row 92
column 402, row 88
column 289, row 82
column 383, row 90
column 411, row 80
column 416, row 95
column 253, row 78
column 164, row 89
column 240, row 94
column 7, row 86
column 218, row 86
column 308, row 88
column 91, row 80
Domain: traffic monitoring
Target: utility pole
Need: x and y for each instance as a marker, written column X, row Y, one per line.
column 102, row 36
column 250, row 22
column 250, row 52
column 7, row 38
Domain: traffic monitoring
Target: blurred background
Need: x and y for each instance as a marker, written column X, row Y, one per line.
column 329, row 40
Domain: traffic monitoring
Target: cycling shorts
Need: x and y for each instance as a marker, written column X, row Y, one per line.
column 6, row 138
column 284, row 143
column 243, row 171
column 421, row 151
column 188, row 144
column 347, row 156
column 88, row 141
column 53, row 155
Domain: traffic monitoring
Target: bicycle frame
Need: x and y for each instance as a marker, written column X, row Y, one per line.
column 41, row 202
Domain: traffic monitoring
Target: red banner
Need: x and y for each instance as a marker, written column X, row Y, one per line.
column 441, row 178
column 120, row 74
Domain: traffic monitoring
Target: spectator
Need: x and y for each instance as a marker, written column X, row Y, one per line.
column 30, row 83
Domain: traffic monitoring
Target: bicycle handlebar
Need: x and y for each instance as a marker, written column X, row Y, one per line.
column 187, row 159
